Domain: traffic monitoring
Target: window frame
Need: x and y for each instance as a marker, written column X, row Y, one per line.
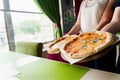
column 8, row 21
column 9, row 25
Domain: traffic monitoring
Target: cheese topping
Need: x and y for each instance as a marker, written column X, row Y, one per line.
column 86, row 42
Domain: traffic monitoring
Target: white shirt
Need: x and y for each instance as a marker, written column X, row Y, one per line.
column 91, row 13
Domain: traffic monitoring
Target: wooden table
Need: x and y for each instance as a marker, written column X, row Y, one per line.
column 36, row 68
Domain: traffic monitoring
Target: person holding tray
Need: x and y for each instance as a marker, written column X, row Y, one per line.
column 94, row 15
column 114, row 27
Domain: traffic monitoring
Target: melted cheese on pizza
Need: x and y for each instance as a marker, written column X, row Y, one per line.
column 85, row 42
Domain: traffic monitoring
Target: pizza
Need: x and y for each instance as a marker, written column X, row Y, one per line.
column 55, row 46
column 88, row 44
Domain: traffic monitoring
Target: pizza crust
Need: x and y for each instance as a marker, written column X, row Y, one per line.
column 55, row 46
column 109, row 41
column 83, row 55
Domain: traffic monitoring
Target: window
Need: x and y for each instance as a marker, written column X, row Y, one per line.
column 24, row 22
column 1, row 4
column 3, row 36
column 24, row 5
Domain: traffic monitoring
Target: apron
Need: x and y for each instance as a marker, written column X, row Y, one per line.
column 91, row 13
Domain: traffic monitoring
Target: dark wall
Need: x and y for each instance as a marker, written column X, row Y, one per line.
column 67, row 14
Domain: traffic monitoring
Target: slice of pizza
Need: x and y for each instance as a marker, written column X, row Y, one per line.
column 88, row 44
column 55, row 46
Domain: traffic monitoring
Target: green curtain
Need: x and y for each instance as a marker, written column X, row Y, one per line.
column 51, row 9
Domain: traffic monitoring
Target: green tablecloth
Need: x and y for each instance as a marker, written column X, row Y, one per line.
column 44, row 69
